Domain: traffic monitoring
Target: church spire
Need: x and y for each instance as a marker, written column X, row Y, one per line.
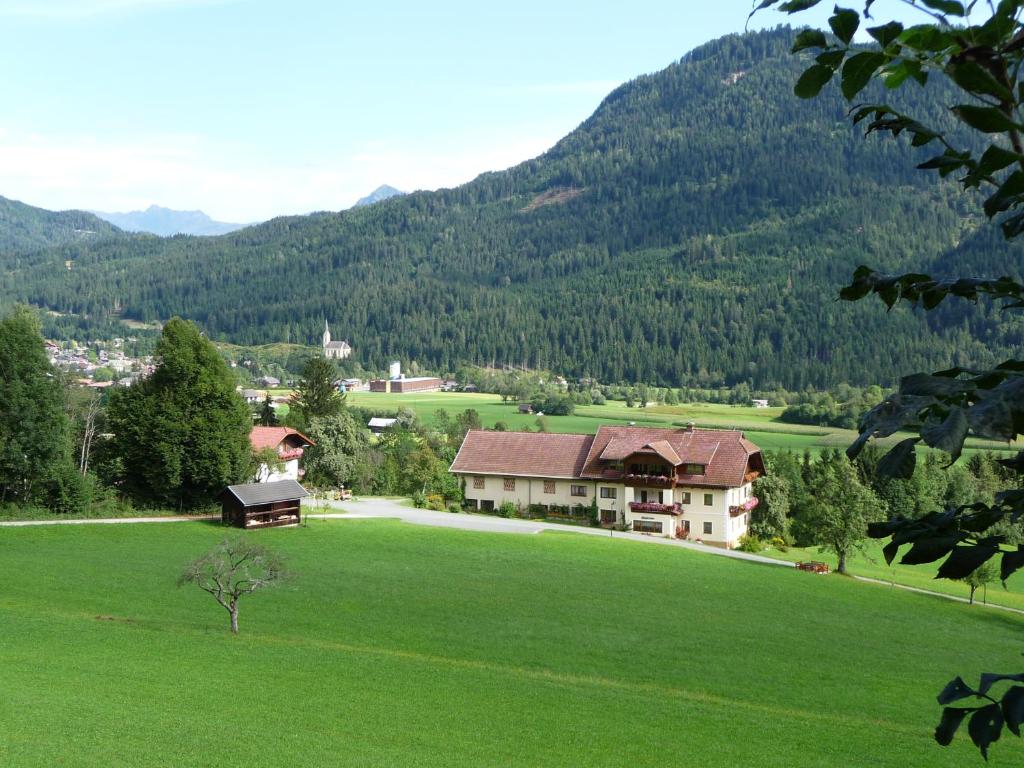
column 327, row 334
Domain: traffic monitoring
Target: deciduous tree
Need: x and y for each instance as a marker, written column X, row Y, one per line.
column 234, row 568
column 182, row 434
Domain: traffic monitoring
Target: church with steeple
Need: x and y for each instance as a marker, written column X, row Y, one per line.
column 338, row 350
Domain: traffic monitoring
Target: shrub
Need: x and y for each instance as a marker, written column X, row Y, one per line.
column 750, row 543
column 454, row 508
column 779, row 543
column 435, row 501
column 419, row 500
column 507, row 509
column 535, row 510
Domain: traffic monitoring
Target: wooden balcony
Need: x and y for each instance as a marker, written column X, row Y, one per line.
column 649, row 481
column 655, row 508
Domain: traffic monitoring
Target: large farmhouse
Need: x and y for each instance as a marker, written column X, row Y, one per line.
column 684, row 483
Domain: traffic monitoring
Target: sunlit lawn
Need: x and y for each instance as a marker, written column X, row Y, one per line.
column 398, row 645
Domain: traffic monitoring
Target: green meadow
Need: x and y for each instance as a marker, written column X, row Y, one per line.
column 762, row 425
column 399, row 645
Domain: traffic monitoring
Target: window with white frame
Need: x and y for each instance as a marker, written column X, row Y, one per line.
column 708, row 528
column 549, row 486
column 609, row 493
column 510, row 483
column 647, row 526
column 686, row 497
column 478, row 483
column 578, row 490
column 709, row 499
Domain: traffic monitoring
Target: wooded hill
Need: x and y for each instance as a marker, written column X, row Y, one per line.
column 26, row 228
column 694, row 231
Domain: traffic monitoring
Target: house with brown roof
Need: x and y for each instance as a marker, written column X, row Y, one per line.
column 289, row 444
column 677, row 483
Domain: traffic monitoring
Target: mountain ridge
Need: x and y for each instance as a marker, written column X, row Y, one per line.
column 166, row 222
column 695, row 232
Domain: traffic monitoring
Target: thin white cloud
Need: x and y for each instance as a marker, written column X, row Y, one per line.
column 188, row 172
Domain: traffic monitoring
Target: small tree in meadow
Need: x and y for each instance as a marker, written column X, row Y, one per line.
column 232, row 569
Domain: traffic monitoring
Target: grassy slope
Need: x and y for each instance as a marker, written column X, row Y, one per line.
column 762, row 425
column 871, row 563
column 400, row 645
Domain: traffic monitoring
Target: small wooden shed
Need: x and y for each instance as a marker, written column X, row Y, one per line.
column 262, row 505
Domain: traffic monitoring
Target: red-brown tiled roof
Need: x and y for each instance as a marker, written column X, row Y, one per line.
column 531, row 454
column 272, row 437
column 725, row 454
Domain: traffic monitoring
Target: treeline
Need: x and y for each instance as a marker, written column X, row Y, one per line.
column 829, row 501
column 694, row 232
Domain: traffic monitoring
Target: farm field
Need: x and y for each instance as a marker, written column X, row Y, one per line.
column 401, row 645
column 760, row 424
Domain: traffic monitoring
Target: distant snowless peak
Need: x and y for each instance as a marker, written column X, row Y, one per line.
column 165, row 222
column 383, row 192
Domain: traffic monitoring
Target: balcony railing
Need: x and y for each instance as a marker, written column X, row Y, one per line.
column 650, row 481
column 653, row 506
column 746, row 506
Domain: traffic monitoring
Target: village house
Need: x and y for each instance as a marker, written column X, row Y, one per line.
column 679, row 483
column 289, row 443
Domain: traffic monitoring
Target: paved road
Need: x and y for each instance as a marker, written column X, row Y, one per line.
column 370, row 508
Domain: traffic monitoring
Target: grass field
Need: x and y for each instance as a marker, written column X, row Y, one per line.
column 871, row 563
column 396, row 645
column 761, row 425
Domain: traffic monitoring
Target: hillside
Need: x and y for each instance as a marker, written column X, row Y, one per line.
column 694, row 231
column 26, row 228
column 158, row 220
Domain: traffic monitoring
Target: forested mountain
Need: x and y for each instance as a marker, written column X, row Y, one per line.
column 158, row 220
column 694, row 231
column 25, row 228
column 383, row 192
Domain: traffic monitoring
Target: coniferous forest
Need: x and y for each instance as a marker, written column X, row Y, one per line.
column 695, row 231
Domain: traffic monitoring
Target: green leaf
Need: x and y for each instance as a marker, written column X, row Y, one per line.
column 949, row 723
column 928, row 551
column 1013, row 708
column 988, row 679
column 965, row 560
column 947, row 435
column 1008, row 194
column 996, row 158
column 886, row 33
column 984, row 119
column 812, row 81
column 795, row 6
column 1011, row 563
column 974, row 78
column 900, row 461
column 948, row 7
column 844, row 23
column 986, row 724
column 955, row 690
column 809, row 38
column 857, row 72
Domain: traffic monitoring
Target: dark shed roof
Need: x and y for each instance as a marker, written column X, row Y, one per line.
column 253, row 494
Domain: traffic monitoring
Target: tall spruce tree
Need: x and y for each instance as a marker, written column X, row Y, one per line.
column 182, row 433
column 316, row 397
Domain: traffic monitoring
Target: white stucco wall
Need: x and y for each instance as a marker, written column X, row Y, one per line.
column 290, row 471
column 725, row 530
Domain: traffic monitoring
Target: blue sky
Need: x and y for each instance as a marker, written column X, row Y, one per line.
column 250, row 109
